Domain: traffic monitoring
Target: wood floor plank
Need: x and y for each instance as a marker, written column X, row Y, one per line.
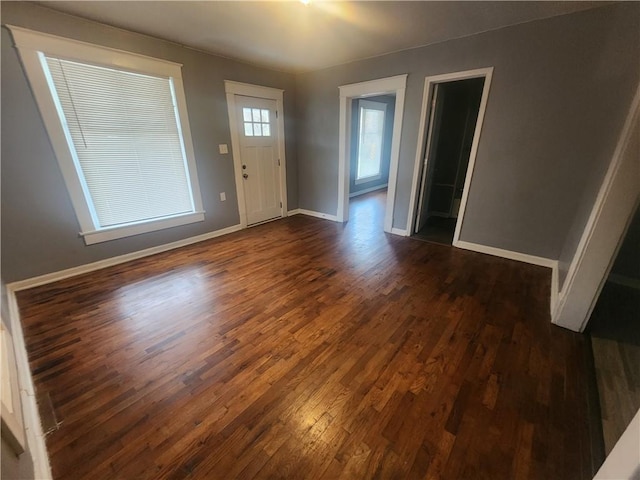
column 303, row 348
column 615, row 340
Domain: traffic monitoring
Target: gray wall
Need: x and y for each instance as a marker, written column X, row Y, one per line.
column 14, row 467
column 559, row 96
column 390, row 101
column 39, row 226
column 560, row 92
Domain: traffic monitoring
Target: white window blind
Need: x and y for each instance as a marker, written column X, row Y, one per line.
column 124, row 134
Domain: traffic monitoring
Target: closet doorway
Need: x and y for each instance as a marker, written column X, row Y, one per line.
column 453, row 111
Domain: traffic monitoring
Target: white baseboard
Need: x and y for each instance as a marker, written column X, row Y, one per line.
column 499, row 252
column 311, row 213
column 334, row 218
column 400, row 231
column 109, row 262
column 520, row 257
column 624, row 281
column 31, row 417
column 368, row 190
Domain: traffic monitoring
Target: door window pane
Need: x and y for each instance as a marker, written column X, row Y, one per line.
column 256, row 122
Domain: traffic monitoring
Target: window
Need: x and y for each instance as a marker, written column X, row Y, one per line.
column 121, row 135
column 256, row 122
column 370, row 141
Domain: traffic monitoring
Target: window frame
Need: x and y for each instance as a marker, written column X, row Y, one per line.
column 30, row 46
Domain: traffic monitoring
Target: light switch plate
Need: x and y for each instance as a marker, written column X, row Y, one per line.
column 223, row 148
column 223, row 196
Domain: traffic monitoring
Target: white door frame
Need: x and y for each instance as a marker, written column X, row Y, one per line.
column 384, row 86
column 610, row 216
column 622, row 461
column 429, row 84
column 247, row 90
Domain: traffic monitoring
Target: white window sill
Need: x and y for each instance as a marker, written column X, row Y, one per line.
column 112, row 233
column 368, row 179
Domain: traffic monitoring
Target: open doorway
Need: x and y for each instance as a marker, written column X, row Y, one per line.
column 452, row 115
column 370, row 153
column 453, row 121
column 352, row 94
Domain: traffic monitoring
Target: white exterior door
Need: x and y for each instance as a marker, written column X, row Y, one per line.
column 259, row 158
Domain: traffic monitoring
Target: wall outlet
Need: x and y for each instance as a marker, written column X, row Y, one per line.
column 223, row 148
column 223, row 196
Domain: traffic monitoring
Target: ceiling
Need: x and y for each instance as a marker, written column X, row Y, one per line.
column 291, row 36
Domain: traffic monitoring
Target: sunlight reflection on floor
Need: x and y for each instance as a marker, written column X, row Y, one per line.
column 169, row 292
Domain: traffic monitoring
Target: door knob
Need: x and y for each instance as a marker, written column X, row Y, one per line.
column 244, row 175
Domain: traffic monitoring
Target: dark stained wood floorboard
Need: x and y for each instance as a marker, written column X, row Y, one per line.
column 615, row 340
column 304, row 348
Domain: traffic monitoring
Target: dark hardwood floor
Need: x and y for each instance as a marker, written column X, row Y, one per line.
column 437, row 230
column 615, row 339
column 307, row 349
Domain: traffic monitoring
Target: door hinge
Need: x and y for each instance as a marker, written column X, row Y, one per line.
column 278, row 162
column 276, row 113
column 280, row 204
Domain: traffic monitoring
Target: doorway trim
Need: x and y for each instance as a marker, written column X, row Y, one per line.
column 383, row 86
column 248, row 90
column 610, row 216
column 421, row 155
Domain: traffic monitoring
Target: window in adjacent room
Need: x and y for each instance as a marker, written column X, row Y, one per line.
column 118, row 123
column 370, row 140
